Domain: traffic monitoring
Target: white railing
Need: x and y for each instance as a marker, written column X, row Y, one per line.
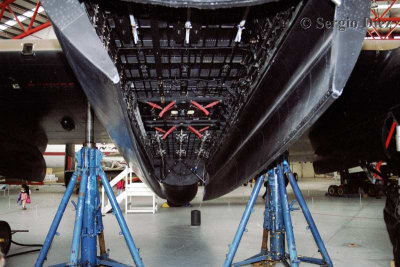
column 125, row 174
column 131, row 190
column 139, row 190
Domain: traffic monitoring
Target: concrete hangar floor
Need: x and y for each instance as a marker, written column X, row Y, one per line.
column 353, row 229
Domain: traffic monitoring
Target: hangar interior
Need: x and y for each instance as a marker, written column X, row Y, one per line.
column 199, row 133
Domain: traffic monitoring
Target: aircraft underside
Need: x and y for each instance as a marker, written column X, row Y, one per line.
column 188, row 94
column 211, row 91
column 215, row 95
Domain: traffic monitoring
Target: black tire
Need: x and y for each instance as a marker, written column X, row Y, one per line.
column 336, row 189
column 340, row 191
column 5, row 237
column 332, row 190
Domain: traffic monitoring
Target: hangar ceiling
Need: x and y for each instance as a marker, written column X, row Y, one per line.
column 20, row 18
column 384, row 21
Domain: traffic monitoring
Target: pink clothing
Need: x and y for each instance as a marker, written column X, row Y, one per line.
column 24, row 196
column 121, row 184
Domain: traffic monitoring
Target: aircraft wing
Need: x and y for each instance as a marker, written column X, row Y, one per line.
column 41, row 103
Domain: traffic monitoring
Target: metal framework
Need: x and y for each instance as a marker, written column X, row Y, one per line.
column 383, row 25
column 88, row 222
column 186, row 83
column 278, row 223
column 21, row 18
column 11, row 9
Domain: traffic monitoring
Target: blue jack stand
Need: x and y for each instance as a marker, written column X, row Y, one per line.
column 277, row 221
column 88, row 220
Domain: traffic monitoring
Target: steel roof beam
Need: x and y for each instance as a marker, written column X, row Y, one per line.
column 26, row 9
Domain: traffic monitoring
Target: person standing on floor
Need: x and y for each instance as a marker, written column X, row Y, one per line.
column 2, row 260
column 27, row 189
column 23, row 197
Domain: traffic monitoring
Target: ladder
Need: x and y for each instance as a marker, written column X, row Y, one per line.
column 131, row 190
column 142, row 190
column 125, row 174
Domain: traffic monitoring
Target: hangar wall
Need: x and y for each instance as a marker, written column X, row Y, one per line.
column 306, row 170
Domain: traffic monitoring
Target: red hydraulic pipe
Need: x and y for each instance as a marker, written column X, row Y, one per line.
column 160, row 130
column 204, row 109
column 169, row 132
column 154, row 105
column 36, row 29
column 203, row 129
column 378, row 168
column 195, row 132
column 390, row 135
column 212, row 104
column 168, row 107
column 387, row 143
column 200, row 107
